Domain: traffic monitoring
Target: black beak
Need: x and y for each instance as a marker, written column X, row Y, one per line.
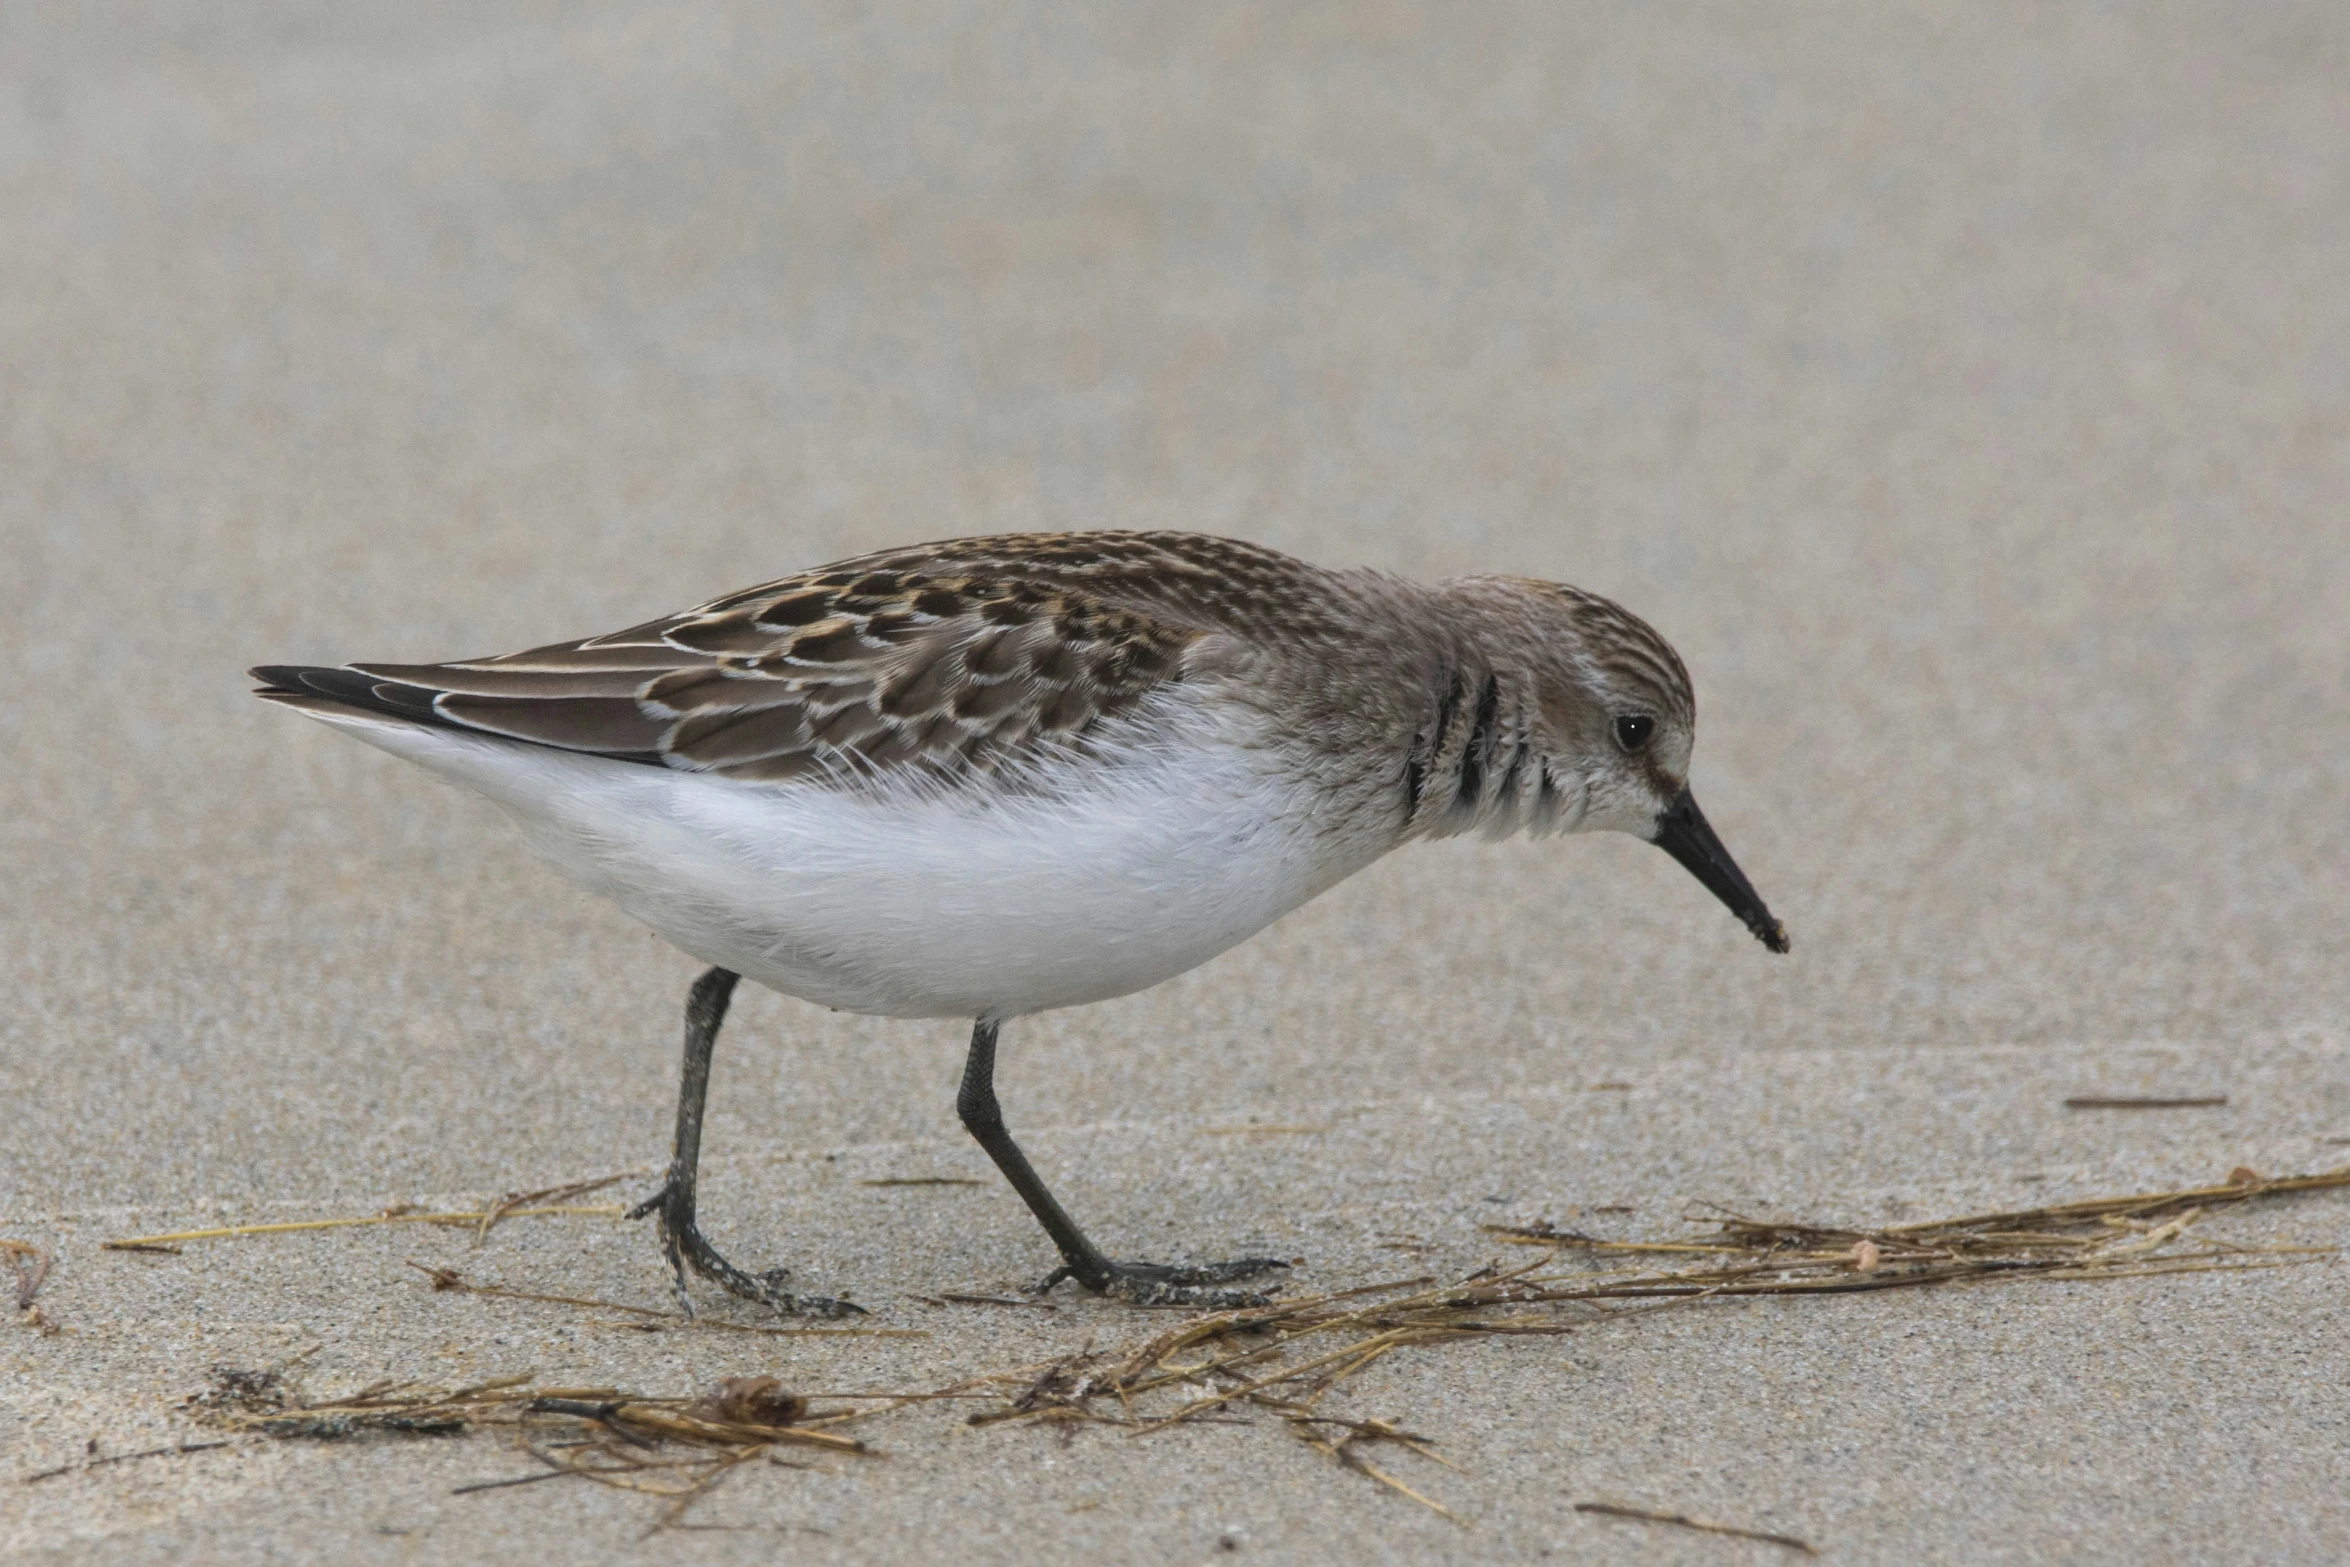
column 1683, row 832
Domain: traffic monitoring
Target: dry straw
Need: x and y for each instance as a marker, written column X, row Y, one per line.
column 1279, row 1363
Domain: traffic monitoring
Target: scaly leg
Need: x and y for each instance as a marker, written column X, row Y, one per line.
column 673, row 1205
column 1142, row 1283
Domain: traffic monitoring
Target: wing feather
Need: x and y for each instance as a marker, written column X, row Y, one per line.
column 953, row 658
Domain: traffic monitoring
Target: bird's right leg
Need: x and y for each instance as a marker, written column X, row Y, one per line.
column 673, row 1205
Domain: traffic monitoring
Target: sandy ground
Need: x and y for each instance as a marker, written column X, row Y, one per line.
column 1962, row 387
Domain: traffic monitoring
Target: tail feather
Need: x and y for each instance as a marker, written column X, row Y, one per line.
column 322, row 691
column 351, row 689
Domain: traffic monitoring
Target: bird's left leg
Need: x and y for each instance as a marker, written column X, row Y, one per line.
column 1142, row 1283
column 673, row 1205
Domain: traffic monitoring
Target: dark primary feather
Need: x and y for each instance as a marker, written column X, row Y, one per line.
column 956, row 657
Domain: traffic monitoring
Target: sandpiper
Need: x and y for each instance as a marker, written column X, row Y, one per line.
column 993, row 776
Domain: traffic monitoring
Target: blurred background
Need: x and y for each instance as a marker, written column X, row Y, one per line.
column 1962, row 387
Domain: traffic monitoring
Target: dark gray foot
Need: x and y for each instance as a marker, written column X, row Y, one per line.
column 682, row 1243
column 1167, row 1284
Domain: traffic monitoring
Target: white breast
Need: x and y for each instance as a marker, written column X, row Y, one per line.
column 956, row 902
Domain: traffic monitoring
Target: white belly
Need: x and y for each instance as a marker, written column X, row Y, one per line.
column 960, row 904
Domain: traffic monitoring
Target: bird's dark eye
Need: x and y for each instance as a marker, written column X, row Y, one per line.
column 1633, row 730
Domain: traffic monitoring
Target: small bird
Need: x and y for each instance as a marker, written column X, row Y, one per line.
column 989, row 777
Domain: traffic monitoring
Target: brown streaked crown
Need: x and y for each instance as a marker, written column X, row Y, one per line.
column 1628, row 654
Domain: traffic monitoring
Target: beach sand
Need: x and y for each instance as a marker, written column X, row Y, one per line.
column 1961, row 388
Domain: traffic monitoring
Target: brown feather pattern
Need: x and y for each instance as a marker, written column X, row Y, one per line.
column 1445, row 708
column 955, row 657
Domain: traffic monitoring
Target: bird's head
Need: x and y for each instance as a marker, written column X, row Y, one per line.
column 1609, row 720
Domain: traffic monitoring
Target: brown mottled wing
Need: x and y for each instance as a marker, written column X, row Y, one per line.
column 954, row 658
